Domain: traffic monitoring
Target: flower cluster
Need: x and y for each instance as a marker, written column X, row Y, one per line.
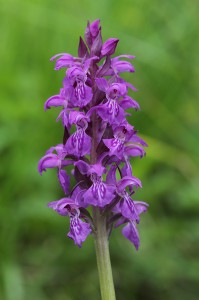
column 98, row 140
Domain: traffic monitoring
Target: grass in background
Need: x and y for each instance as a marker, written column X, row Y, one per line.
column 37, row 261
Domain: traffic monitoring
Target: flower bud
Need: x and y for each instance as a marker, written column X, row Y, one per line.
column 108, row 48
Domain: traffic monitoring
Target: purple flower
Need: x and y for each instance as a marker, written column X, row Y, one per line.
column 79, row 143
column 124, row 142
column 111, row 111
column 99, row 193
column 79, row 230
column 52, row 160
column 98, row 142
column 75, row 83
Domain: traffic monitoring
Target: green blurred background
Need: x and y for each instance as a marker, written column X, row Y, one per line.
column 37, row 261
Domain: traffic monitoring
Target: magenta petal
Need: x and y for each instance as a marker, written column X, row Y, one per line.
column 125, row 55
column 108, row 48
column 130, row 209
column 56, row 100
column 77, row 116
column 81, row 95
column 60, row 54
column 64, row 180
column 78, row 197
column 97, row 169
column 116, row 90
column 64, row 61
column 111, row 176
column 134, row 151
column 79, row 143
column 48, row 161
column 131, row 233
column 141, row 206
column 99, row 194
column 137, row 139
column 111, row 112
column 91, row 32
column 127, row 208
column 82, row 166
column 63, row 206
column 96, row 45
column 115, row 146
column 82, row 49
column 122, row 66
column 64, row 116
column 128, row 102
column 79, row 230
column 131, row 86
column 128, row 181
column 94, row 27
column 102, row 84
column 127, row 169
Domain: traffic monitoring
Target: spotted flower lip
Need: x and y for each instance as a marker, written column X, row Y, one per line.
column 100, row 193
column 79, row 230
column 98, row 142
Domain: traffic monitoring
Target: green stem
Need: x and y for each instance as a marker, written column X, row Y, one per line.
column 103, row 257
column 100, row 233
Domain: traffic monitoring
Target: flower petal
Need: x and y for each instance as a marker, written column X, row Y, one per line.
column 64, row 180
column 79, row 143
column 126, row 181
column 99, row 194
column 63, row 206
column 108, row 48
column 48, row 161
column 102, row 84
column 79, row 230
column 131, row 233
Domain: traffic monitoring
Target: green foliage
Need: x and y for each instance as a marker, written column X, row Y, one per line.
column 37, row 261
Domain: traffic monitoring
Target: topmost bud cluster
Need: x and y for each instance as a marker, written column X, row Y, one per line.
column 93, row 99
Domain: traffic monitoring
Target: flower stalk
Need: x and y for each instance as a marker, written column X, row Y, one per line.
column 103, row 257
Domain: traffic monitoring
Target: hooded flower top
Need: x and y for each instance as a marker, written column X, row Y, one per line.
column 98, row 140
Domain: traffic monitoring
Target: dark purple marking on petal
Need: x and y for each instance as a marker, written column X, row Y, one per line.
column 79, row 230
